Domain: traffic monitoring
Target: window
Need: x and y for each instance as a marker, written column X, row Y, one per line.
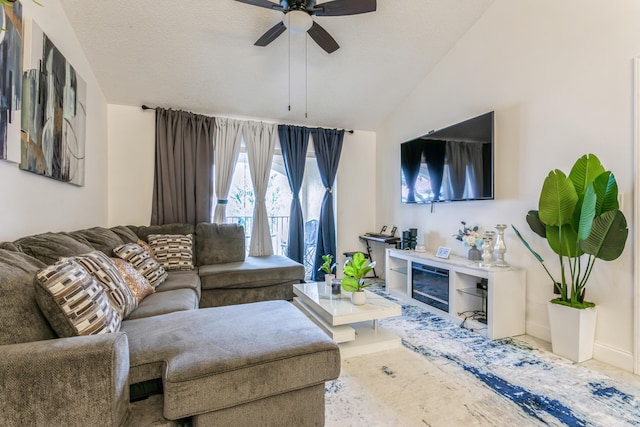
column 241, row 201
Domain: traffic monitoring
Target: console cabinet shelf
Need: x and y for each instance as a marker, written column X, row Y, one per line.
column 496, row 312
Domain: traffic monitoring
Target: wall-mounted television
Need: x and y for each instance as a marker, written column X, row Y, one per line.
column 451, row 164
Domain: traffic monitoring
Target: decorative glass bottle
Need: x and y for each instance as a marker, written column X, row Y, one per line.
column 474, row 253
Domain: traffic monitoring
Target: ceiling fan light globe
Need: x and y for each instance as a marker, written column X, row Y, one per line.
column 298, row 21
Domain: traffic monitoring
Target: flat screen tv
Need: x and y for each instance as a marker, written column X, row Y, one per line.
column 450, row 164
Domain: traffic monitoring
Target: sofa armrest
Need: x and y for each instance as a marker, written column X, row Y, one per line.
column 79, row 381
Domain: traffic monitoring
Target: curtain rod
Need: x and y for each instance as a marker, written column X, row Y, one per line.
column 146, row 107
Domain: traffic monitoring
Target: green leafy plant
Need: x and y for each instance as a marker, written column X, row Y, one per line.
column 355, row 269
column 580, row 218
column 327, row 266
column 10, row 2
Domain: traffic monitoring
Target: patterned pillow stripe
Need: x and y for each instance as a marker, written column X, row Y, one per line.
column 173, row 251
column 107, row 274
column 142, row 261
column 73, row 302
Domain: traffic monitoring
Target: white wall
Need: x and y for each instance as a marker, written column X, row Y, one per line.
column 31, row 203
column 559, row 77
column 131, row 165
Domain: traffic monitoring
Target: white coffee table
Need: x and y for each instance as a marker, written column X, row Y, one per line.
column 354, row 327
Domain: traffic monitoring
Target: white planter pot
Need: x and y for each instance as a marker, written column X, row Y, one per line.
column 328, row 278
column 358, row 298
column 572, row 331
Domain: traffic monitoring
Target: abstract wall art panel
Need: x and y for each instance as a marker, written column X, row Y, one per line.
column 53, row 111
column 10, row 80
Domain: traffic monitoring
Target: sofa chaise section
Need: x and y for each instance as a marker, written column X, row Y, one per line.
column 216, row 358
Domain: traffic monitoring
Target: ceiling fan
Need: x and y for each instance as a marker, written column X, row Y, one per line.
column 298, row 13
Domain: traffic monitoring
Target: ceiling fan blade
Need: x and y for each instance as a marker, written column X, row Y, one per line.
column 344, row 7
column 263, row 3
column 271, row 34
column 323, row 38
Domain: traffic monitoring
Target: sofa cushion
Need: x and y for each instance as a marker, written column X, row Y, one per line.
column 126, row 233
column 224, row 356
column 165, row 302
column 105, row 272
column 144, row 231
column 21, row 320
column 181, row 280
column 100, row 238
column 254, row 272
column 49, row 247
column 172, row 251
column 137, row 283
column 142, row 261
column 219, row 243
column 73, row 302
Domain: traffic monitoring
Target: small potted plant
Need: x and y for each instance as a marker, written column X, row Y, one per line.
column 328, row 267
column 578, row 215
column 355, row 269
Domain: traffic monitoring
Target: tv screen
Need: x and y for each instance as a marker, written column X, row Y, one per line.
column 450, row 164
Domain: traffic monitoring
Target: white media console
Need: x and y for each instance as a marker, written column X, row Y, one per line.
column 497, row 312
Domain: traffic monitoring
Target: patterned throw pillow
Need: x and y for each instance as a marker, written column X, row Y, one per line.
column 140, row 286
column 144, row 245
column 72, row 301
column 142, row 261
column 105, row 272
column 173, row 251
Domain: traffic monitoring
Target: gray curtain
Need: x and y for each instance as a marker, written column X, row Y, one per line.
column 227, row 137
column 328, row 147
column 261, row 142
column 294, row 141
column 182, row 185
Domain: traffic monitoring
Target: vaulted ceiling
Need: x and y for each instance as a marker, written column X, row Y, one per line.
column 199, row 55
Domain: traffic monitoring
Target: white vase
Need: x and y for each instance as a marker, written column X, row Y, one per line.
column 358, row 298
column 328, row 278
column 573, row 331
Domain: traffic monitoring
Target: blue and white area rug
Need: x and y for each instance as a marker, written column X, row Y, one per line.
column 445, row 375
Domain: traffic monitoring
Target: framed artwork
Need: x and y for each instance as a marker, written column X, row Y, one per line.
column 10, row 80
column 54, row 116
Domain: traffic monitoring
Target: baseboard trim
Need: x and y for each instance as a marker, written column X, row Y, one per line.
column 606, row 353
column 613, row 356
column 539, row 331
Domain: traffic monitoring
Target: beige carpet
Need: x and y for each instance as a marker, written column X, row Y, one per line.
column 402, row 388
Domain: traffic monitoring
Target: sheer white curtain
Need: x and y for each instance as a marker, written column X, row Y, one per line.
column 261, row 141
column 228, row 135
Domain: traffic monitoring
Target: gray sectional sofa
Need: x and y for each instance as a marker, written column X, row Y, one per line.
column 223, row 342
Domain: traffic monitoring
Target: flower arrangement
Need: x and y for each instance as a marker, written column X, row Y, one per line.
column 470, row 236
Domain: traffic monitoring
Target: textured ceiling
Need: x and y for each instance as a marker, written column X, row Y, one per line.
column 198, row 55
